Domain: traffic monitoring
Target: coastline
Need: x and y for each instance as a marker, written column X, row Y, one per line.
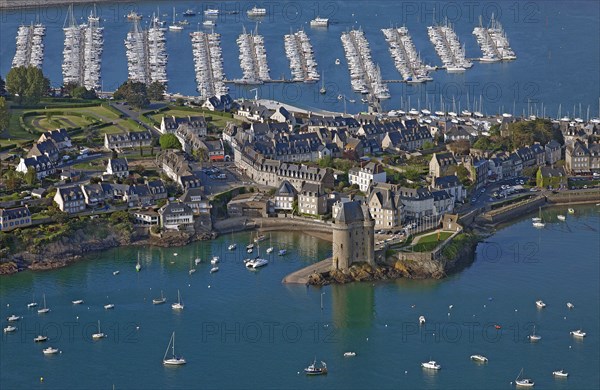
column 27, row 4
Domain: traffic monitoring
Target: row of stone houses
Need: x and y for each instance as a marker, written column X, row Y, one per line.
column 582, row 157
column 15, row 217
column 127, row 140
column 175, row 165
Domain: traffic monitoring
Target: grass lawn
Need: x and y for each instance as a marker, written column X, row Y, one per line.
column 217, row 120
column 430, row 241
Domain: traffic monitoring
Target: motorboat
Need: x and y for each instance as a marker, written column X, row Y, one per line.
column 211, row 12
column 133, row 16
column 577, row 333
column 257, row 11
column 540, row 304
column 319, row 22
column 259, row 262
column 232, row 247
column 10, row 329
column 197, row 261
column 250, row 246
column 570, row 305
column 177, row 305
column 109, row 306
column 249, row 250
column 209, row 23
column 99, row 335
column 214, row 269
column 31, row 304
column 260, row 238
column 561, row 217
column 432, row 365
column 312, row 369
column 174, row 360
column 282, row 252
column 116, row 272
column 50, row 351
column 421, row 320
column 161, row 300
column 560, row 373
column 214, row 260
column 523, row 382
column 13, row 318
column 269, row 249
column 337, row 61
column 191, row 271
column 189, row 12
column 77, row 302
column 40, row 339
column 479, row 358
column 349, row 354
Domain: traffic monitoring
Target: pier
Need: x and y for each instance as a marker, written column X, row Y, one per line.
column 299, row 51
column 208, row 64
column 448, row 48
column 405, row 55
column 493, row 42
column 146, row 54
column 253, row 58
column 30, row 46
column 82, row 51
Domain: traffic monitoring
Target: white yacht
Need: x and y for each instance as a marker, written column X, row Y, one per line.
column 178, row 305
column 534, row 337
column 50, row 351
column 13, row 317
column 109, row 306
column 232, row 247
column 570, row 305
column 255, row 11
column 44, row 309
column 77, row 302
column 258, row 262
column 161, row 300
column 561, row 217
column 197, row 261
column 214, row 260
column 99, row 335
column 421, row 320
column 479, row 358
column 349, row 354
column 211, row 12
column 209, row 23
column 175, row 26
column 571, row 210
column 116, row 272
column 10, row 329
column 560, row 373
column 269, row 249
column 174, row 360
column 577, row 333
column 337, row 61
column 432, row 365
column 40, row 339
column 523, row 382
column 214, row 269
column 31, row 304
column 319, row 22
column 540, row 304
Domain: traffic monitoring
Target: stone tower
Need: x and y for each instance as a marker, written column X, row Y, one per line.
column 353, row 235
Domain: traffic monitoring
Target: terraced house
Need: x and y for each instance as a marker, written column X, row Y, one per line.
column 127, row 140
column 42, row 166
column 14, row 218
column 70, row 199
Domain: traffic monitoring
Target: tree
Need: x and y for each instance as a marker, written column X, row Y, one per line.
column 81, row 92
column 325, row 162
column 460, row 147
column 4, row 114
column 428, row 145
column 156, row 91
column 169, row 141
column 27, row 84
column 30, row 176
column 12, row 180
column 2, row 86
column 463, row 175
column 179, row 101
column 134, row 92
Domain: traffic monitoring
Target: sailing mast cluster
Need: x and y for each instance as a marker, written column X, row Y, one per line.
column 146, row 53
column 208, row 64
column 253, row 58
column 448, row 47
column 301, row 55
column 365, row 76
column 406, row 58
column 30, row 46
column 493, row 42
column 82, row 51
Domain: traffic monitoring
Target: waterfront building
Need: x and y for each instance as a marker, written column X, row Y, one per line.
column 385, row 206
column 195, row 199
column 452, row 185
column 284, row 197
column 13, row 218
column 253, row 205
column 312, row 200
column 551, row 177
column 70, row 199
column 366, row 174
column 581, row 158
column 553, row 151
column 176, row 216
column 353, row 235
column 146, row 217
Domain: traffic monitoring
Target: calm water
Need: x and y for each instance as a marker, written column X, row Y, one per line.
column 245, row 329
column 557, row 45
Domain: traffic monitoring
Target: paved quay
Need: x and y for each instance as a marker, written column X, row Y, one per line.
column 301, row 276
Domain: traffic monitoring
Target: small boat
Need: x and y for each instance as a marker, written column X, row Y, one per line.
column 158, row 301
column 197, row 261
column 99, row 335
column 432, row 365
column 13, row 318
column 10, row 329
column 191, row 271
column 174, row 360
column 44, row 309
column 116, row 272
column 232, row 247
column 257, row 263
column 214, row 260
column 421, row 320
column 340, row 97
column 337, row 61
column 560, row 373
column 50, row 351
column 534, row 337
column 133, row 16
column 178, row 305
column 174, row 26
column 479, row 358
column 270, row 249
column 282, row 252
column 214, row 269
column 40, row 339
column 540, row 304
column 323, row 90
column 189, row 12
column 249, row 250
column 77, row 302
column 31, row 304
column 524, row 382
column 570, row 305
column 250, row 246
column 571, row 210
column 349, row 354
column 312, row 369
column 109, row 306
column 561, row 217
column 257, row 11
column 211, row 12
column 497, row 326
column 537, row 222
column 209, row 23
column 260, row 238
column 577, row 333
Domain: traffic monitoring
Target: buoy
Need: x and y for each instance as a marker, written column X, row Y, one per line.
column 386, row 325
column 41, row 379
column 405, row 372
column 367, row 339
column 137, row 327
column 8, row 305
column 77, row 317
column 298, row 372
column 484, row 306
column 209, row 286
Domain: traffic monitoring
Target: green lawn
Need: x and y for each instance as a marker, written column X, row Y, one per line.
column 217, row 120
column 430, row 241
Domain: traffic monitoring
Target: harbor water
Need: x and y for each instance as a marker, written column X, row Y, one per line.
column 556, row 44
column 244, row 329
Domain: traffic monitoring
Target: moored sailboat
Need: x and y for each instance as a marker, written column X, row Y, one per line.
column 174, row 360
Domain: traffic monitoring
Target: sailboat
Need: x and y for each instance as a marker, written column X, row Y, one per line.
column 192, row 269
column 233, row 245
column 99, row 335
column 323, row 90
column 270, row 248
column 525, row 382
column 179, row 304
column 45, row 309
column 174, row 26
column 33, row 303
column 158, row 301
column 533, row 336
column 538, row 223
column 174, row 360
column 138, row 266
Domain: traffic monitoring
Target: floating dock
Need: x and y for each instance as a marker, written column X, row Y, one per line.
column 448, row 47
column 30, row 46
column 493, row 42
column 405, row 55
column 146, row 54
column 253, row 58
column 299, row 52
column 208, row 64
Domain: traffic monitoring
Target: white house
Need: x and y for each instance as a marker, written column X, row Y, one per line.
column 367, row 174
column 285, row 196
column 41, row 165
column 70, row 199
column 175, row 215
column 117, row 167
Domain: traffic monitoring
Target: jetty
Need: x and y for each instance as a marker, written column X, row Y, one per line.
column 30, row 46
column 208, row 64
column 406, row 58
column 448, row 47
column 146, row 53
column 82, row 51
column 302, row 275
column 299, row 52
column 493, row 42
column 253, row 58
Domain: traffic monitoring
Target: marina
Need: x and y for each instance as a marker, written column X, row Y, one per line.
column 365, row 76
column 253, row 58
column 300, row 53
column 493, row 42
column 208, row 64
column 82, row 52
column 146, row 53
column 30, row 46
column 448, row 47
column 406, row 58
